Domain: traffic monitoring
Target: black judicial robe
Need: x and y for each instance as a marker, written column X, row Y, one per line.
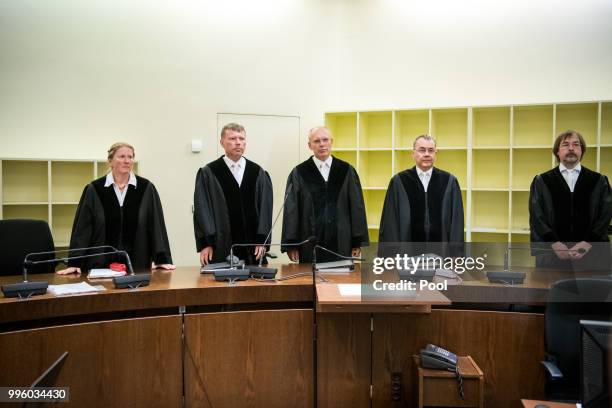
column 332, row 211
column 557, row 214
column 138, row 227
column 226, row 214
column 412, row 215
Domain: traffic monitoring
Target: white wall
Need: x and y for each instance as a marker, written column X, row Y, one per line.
column 77, row 75
column 399, row 53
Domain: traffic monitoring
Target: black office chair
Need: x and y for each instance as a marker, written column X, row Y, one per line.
column 19, row 238
column 569, row 301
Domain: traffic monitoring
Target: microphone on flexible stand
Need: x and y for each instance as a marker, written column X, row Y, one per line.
column 260, row 271
column 264, row 272
column 511, row 278
column 27, row 289
column 347, row 261
column 228, row 271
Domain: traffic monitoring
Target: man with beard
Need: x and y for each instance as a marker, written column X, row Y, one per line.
column 570, row 207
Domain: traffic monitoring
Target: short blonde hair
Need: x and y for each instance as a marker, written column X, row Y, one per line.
column 314, row 130
column 116, row 146
column 236, row 127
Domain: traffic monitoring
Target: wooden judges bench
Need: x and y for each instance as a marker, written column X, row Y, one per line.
column 251, row 344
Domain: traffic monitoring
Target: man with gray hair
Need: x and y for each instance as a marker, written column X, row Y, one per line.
column 324, row 199
column 423, row 204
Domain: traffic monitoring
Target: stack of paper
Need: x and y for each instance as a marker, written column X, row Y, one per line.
column 104, row 273
column 71, row 289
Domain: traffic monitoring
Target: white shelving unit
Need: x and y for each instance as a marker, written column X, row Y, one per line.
column 46, row 189
column 495, row 151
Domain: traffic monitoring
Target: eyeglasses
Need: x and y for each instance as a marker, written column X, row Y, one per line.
column 423, row 150
column 575, row 145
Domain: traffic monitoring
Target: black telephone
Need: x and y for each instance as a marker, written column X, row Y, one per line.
column 437, row 358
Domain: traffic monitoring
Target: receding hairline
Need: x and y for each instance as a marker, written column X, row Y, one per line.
column 312, row 132
column 425, row 137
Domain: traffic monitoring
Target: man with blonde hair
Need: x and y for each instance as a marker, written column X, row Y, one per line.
column 423, row 204
column 324, row 200
column 232, row 203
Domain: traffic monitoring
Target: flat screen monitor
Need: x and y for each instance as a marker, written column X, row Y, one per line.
column 47, row 379
column 595, row 338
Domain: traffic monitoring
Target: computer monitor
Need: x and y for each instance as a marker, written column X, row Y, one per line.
column 47, row 379
column 595, row 338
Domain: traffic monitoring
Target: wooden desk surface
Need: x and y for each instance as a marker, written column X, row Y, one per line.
column 467, row 367
column 329, row 299
column 187, row 287
column 184, row 286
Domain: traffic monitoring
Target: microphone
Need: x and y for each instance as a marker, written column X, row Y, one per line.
column 508, row 277
column 222, row 271
column 27, row 289
column 259, row 269
column 347, row 263
column 263, row 272
column 277, row 215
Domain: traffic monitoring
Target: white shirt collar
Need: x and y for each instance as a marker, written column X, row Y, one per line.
column 419, row 171
column 110, row 180
column 577, row 168
column 319, row 163
column 241, row 161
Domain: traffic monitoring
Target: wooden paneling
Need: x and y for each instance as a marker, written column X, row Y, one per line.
column 264, row 357
column 508, row 348
column 129, row 363
column 249, row 359
column 343, row 360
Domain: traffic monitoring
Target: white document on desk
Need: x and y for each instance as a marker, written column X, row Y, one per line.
column 335, row 270
column 349, row 289
column 71, row 289
column 104, row 273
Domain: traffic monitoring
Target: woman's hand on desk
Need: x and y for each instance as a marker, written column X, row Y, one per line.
column 167, row 267
column 68, row 271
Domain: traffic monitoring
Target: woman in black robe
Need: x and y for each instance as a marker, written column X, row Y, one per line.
column 122, row 210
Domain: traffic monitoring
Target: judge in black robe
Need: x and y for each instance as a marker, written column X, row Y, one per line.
column 562, row 219
column 412, row 215
column 136, row 227
column 226, row 213
column 333, row 211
